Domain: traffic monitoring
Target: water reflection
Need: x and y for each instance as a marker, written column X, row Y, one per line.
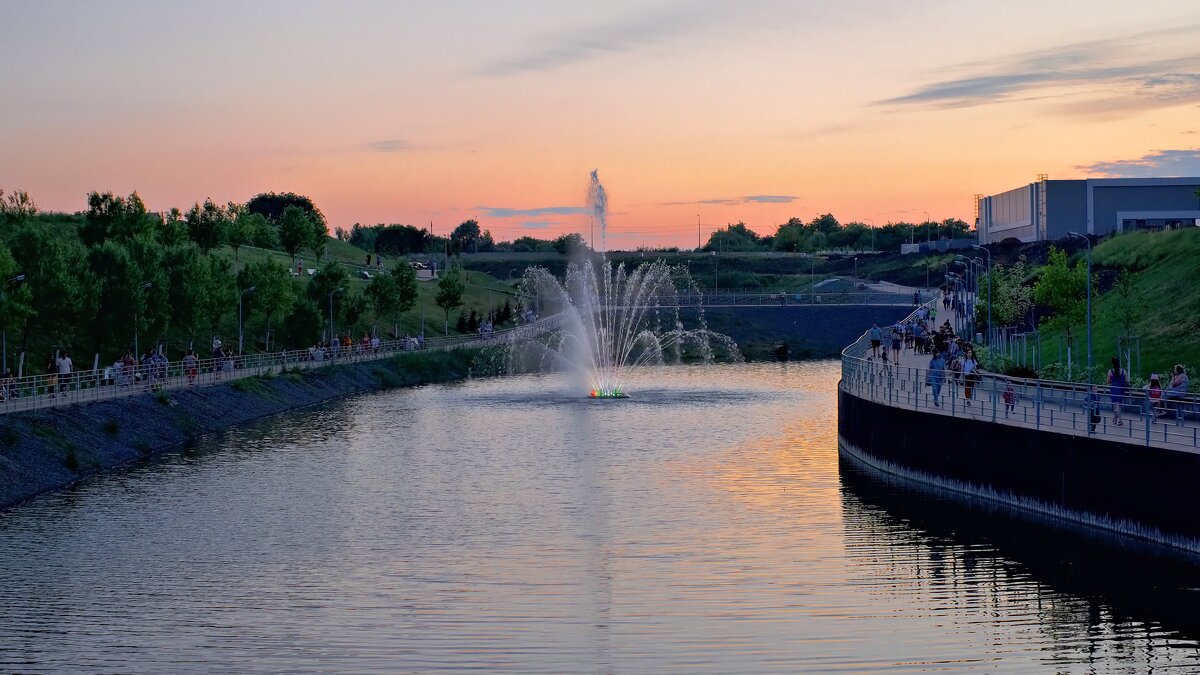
column 508, row 525
column 1080, row 598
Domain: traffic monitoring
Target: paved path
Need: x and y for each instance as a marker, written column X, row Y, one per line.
column 1049, row 406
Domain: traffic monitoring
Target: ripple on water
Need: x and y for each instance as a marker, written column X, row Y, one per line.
column 706, row 524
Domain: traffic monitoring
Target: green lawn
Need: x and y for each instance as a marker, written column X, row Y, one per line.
column 1166, row 267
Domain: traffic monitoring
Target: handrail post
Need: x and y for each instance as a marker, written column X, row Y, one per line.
column 1038, row 405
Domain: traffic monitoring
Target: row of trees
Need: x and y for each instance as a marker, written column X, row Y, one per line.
column 468, row 237
column 98, row 280
column 825, row 233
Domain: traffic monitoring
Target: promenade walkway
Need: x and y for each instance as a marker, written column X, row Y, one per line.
column 1052, row 406
column 51, row 391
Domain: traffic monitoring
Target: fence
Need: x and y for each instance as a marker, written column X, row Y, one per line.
column 779, row 298
column 45, row 391
column 1078, row 409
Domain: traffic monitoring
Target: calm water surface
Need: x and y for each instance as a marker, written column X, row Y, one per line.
column 707, row 525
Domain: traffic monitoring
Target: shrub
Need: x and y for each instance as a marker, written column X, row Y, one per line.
column 112, row 427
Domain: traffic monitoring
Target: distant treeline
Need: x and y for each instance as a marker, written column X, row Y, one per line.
column 820, row 234
column 825, row 233
column 466, row 238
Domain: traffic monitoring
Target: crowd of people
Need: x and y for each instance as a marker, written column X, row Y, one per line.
column 345, row 345
column 151, row 369
column 953, row 359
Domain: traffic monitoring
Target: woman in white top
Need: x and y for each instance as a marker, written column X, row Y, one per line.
column 970, row 370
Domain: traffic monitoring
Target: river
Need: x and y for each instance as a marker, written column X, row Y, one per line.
column 706, row 525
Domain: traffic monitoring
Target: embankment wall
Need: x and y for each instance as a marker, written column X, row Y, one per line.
column 1139, row 491
column 52, row 448
column 809, row 330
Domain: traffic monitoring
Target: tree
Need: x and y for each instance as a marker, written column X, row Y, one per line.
column 273, row 288
column 465, row 237
column 295, row 231
column 207, row 225
column 450, row 292
column 63, row 292
column 1011, row 298
column 16, row 209
column 330, row 277
column 791, row 236
column 395, row 239
column 319, row 237
column 272, row 206
column 826, row 224
column 1062, row 288
column 302, row 327
column 570, row 244
column 393, row 294
column 734, row 238
column 15, row 297
column 352, row 311
column 189, row 284
column 171, row 229
column 122, row 305
column 222, row 292
column 109, row 216
column 244, row 228
column 1128, row 310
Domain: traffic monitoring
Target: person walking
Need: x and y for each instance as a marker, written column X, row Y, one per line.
column 1154, row 394
column 970, row 370
column 1118, row 384
column 51, row 375
column 64, row 366
column 191, row 366
column 935, row 376
column 876, row 339
column 1177, row 389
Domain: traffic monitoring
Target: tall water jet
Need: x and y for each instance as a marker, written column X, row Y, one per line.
column 608, row 319
column 598, row 204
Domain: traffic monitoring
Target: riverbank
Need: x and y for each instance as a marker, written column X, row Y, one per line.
column 50, row 449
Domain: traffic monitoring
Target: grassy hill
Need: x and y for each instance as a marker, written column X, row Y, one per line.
column 1164, row 268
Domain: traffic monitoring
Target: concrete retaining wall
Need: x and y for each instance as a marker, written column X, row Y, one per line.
column 1135, row 490
column 52, row 448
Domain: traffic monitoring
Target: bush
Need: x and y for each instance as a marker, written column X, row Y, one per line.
column 112, row 427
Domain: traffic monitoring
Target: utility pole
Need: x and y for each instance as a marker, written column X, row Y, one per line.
column 698, row 246
column 1089, row 298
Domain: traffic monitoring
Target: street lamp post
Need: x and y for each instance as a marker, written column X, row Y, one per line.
column 332, row 337
column 971, row 286
column 1089, row 298
column 20, row 278
column 953, row 281
column 927, row 224
column 240, row 295
column 137, row 317
column 990, row 281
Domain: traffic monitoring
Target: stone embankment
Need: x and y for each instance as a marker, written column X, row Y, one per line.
column 52, row 448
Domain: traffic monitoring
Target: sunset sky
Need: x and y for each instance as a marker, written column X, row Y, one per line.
column 419, row 112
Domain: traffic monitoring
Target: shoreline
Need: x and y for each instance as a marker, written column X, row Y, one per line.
column 54, row 448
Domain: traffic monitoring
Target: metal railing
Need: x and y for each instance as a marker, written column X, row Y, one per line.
column 777, row 299
column 1170, row 420
column 35, row 392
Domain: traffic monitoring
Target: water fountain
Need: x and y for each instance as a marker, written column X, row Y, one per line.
column 611, row 318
